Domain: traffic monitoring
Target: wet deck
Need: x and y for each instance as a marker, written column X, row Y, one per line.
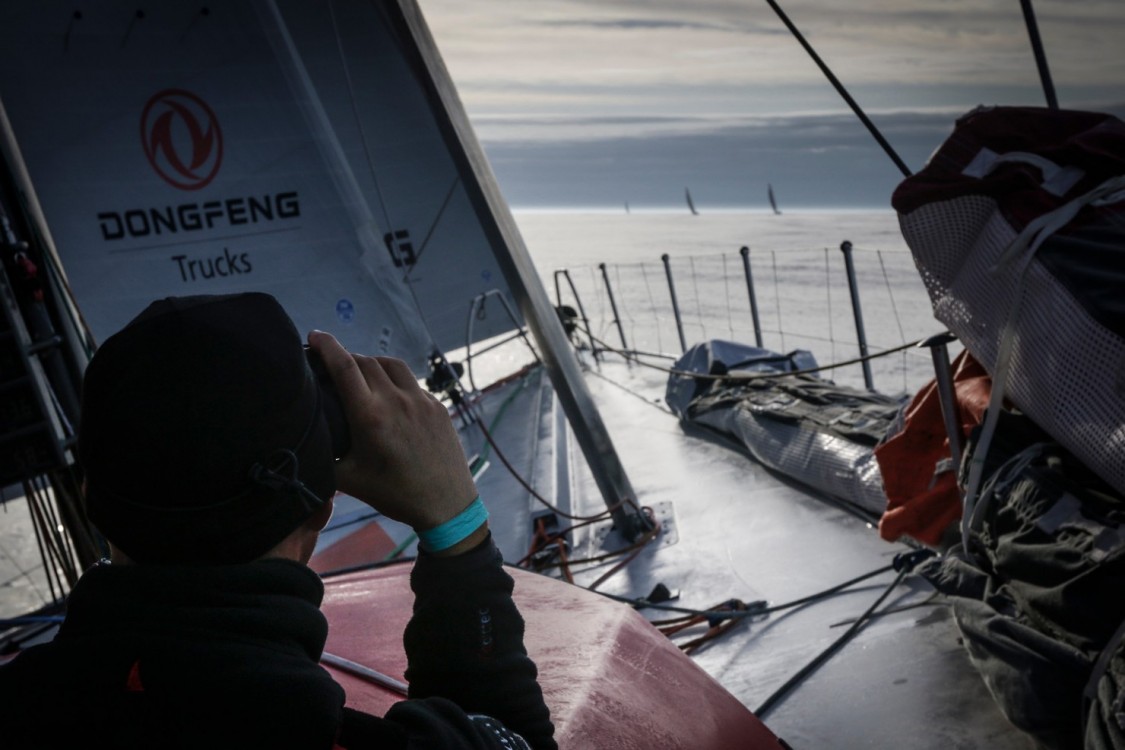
column 740, row 531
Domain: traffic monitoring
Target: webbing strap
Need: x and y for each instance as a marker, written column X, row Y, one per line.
column 1021, row 251
column 1090, row 693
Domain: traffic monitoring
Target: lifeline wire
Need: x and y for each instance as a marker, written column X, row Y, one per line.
column 741, row 376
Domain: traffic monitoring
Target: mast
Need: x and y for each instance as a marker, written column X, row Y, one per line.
column 523, row 280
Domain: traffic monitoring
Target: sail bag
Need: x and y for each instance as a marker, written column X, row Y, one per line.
column 1017, row 225
column 810, row 429
column 1037, row 595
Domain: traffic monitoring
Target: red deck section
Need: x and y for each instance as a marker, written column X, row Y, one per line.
column 369, row 544
column 610, row 679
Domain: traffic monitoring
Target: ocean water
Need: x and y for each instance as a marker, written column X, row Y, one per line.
column 798, row 272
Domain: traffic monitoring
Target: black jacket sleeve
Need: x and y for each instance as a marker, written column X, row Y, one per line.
column 465, row 644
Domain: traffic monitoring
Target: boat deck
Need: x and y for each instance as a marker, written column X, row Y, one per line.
column 736, row 530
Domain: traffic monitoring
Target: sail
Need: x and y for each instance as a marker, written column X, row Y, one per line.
column 316, row 151
column 690, row 205
column 286, row 147
column 773, row 200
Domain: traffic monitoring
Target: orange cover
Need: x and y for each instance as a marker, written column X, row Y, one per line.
column 921, row 503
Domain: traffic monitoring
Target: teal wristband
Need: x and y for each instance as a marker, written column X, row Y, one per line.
column 455, row 530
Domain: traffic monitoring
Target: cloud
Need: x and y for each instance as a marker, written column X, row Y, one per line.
column 635, row 23
column 813, row 160
column 601, row 101
column 564, row 56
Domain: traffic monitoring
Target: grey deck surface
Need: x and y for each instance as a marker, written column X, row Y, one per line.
column 740, row 531
column 23, row 581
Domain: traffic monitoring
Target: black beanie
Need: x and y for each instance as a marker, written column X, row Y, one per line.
column 196, row 418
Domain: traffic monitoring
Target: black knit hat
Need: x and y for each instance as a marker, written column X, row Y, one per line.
column 203, row 437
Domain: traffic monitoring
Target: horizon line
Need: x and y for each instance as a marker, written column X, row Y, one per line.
column 680, row 209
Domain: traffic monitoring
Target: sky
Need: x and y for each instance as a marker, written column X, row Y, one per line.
column 595, row 103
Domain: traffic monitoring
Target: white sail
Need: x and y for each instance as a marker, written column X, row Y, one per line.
column 317, row 151
column 286, row 147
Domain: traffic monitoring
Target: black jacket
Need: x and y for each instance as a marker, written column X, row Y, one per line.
column 227, row 656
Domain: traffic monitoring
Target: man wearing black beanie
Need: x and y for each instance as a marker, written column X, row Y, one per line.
column 212, row 452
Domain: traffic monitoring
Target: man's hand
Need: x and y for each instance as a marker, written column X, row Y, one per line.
column 405, row 459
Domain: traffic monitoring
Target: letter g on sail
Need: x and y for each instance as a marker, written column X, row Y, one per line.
column 181, row 139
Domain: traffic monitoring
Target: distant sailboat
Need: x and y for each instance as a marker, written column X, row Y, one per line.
column 690, row 205
column 627, row 207
column 773, row 200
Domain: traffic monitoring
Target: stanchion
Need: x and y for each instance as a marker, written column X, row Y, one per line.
column 613, row 305
column 675, row 302
column 861, row 335
column 745, row 253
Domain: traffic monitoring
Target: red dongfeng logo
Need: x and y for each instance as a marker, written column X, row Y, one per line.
column 181, row 138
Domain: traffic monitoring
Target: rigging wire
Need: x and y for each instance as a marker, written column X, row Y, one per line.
column 527, row 485
column 355, row 114
column 433, row 224
column 763, row 609
column 933, row 600
column 61, row 538
column 777, row 296
column 1040, row 55
column 698, row 303
column 48, row 567
column 54, row 544
column 780, row 693
column 828, row 294
column 607, row 323
column 634, row 548
column 841, row 90
column 370, row 160
column 894, row 308
column 726, row 295
column 477, row 309
column 633, row 393
column 652, row 306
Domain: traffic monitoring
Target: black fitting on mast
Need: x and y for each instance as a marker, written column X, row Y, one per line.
column 841, row 90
